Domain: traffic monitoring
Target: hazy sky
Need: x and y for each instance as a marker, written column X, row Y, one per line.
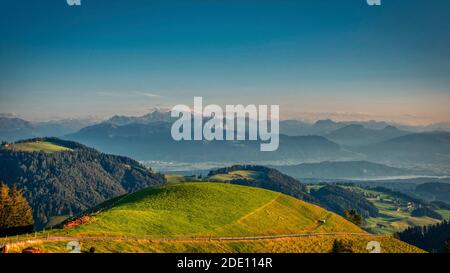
column 320, row 58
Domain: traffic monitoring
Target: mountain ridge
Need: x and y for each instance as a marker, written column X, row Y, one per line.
column 68, row 182
column 342, row 170
column 416, row 147
column 154, row 142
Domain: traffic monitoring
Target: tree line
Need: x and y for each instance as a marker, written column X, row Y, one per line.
column 340, row 200
column 433, row 238
column 68, row 183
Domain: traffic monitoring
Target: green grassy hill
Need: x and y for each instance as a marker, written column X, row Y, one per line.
column 38, row 146
column 335, row 199
column 201, row 217
column 261, row 177
column 239, row 174
column 211, row 209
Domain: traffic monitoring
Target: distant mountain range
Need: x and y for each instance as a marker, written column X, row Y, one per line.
column 14, row 128
column 429, row 147
column 58, row 128
column 156, row 116
column 358, row 135
column 148, row 138
column 153, row 141
column 342, row 170
column 325, row 127
column 434, row 191
column 9, row 122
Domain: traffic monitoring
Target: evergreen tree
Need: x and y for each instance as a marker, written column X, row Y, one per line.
column 340, row 246
column 14, row 208
column 433, row 238
column 5, row 206
column 21, row 212
column 339, row 199
column 447, row 246
column 353, row 217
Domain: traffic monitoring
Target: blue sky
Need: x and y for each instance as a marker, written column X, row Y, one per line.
column 317, row 58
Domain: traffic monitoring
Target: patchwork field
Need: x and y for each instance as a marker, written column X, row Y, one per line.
column 395, row 215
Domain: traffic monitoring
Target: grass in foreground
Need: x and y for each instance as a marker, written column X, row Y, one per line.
column 316, row 244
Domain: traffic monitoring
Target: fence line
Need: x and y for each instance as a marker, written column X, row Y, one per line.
column 180, row 239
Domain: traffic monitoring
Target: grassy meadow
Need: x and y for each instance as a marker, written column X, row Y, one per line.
column 314, row 244
column 38, row 146
column 210, row 209
column 235, row 175
column 201, row 217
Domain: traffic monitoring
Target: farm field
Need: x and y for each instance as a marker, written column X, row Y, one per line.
column 395, row 215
